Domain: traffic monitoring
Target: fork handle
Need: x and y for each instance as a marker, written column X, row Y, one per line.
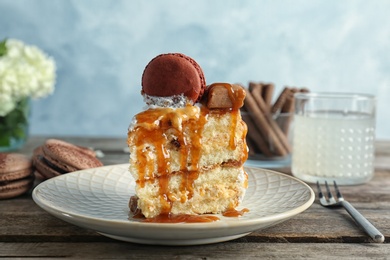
column 364, row 223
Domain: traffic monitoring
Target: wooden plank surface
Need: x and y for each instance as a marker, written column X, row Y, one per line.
column 19, row 213
column 28, row 231
column 229, row 250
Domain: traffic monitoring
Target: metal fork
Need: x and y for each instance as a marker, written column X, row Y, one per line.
column 340, row 202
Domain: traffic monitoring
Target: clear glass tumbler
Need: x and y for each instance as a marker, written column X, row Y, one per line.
column 333, row 137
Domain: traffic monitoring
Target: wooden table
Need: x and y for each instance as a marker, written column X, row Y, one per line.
column 28, row 231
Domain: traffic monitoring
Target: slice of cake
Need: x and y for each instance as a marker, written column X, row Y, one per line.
column 187, row 149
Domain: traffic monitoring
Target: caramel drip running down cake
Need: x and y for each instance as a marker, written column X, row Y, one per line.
column 187, row 149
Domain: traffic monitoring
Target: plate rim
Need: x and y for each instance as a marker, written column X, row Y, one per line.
column 226, row 223
column 300, row 208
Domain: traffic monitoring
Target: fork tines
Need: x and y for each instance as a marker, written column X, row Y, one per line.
column 320, row 195
column 338, row 193
column 330, row 199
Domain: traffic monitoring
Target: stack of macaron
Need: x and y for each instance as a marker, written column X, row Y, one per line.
column 53, row 158
column 16, row 175
column 56, row 157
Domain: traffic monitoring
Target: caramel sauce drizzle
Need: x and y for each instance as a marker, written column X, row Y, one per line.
column 232, row 141
column 185, row 218
column 235, row 213
column 151, row 128
column 136, row 214
column 236, row 96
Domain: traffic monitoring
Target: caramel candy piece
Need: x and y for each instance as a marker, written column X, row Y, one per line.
column 225, row 95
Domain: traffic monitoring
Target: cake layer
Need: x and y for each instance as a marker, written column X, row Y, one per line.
column 213, row 191
column 192, row 138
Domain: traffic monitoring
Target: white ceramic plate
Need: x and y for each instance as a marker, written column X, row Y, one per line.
column 98, row 198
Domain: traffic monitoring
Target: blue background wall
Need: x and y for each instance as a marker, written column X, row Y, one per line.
column 101, row 48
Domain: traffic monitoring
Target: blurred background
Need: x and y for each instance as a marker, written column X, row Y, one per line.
column 101, row 48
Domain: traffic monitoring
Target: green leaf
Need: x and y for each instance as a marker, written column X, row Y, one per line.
column 3, row 47
column 5, row 140
column 19, row 132
column 13, row 126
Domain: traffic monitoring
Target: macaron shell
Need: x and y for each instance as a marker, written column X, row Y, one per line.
column 68, row 157
column 44, row 170
column 50, row 156
column 15, row 175
column 56, row 157
column 16, row 188
column 86, row 150
column 173, row 74
column 13, row 162
column 38, row 176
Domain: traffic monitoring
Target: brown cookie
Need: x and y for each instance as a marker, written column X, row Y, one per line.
column 44, row 169
column 252, row 147
column 267, row 127
column 255, row 137
column 256, row 91
column 267, row 92
column 68, row 157
column 252, row 84
column 280, row 100
column 56, row 157
column 16, row 176
column 288, row 108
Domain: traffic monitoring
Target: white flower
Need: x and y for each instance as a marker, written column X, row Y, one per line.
column 25, row 71
column 6, row 104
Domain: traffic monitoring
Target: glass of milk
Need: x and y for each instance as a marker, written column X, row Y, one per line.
column 334, row 137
